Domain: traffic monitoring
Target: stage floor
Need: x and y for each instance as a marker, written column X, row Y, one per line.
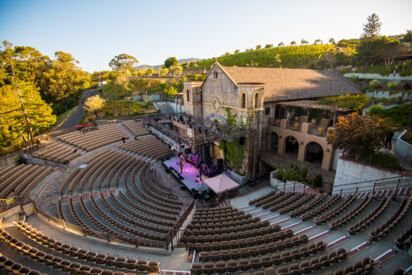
column 189, row 174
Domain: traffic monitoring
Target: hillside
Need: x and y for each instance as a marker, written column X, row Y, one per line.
column 307, row 56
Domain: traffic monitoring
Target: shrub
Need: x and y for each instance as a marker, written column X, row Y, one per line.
column 376, row 110
column 385, row 160
column 318, row 180
column 289, row 174
column 374, row 84
column 407, row 86
column 352, row 102
column 392, row 85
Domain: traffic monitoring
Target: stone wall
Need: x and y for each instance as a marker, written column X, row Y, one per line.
column 352, row 175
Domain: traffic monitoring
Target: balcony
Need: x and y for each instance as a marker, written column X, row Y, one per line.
column 300, row 124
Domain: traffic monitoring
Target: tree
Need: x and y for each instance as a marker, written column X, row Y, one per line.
column 170, row 62
column 170, row 90
column 376, row 50
column 303, row 42
column 123, row 61
column 332, row 40
column 281, row 44
column 258, row 46
column 372, row 27
column 176, row 70
column 390, row 51
column 63, row 78
column 318, row 42
column 268, row 46
column 94, row 103
column 407, row 37
column 23, row 113
column 293, row 42
column 358, row 136
column 163, row 71
column 237, row 51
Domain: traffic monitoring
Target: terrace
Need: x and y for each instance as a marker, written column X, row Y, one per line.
column 299, row 129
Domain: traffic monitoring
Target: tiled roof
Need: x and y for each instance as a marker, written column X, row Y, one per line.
column 290, row 84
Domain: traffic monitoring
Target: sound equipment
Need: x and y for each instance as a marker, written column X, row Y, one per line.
column 242, row 140
column 219, row 163
column 207, row 158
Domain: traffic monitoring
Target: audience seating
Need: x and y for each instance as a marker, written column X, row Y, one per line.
column 21, row 179
column 9, row 265
column 365, row 222
column 148, row 146
column 72, row 259
column 136, row 128
column 56, row 151
column 345, row 203
column 90, row 140
column 362, row 267
column 328, row 204
column 352, row 214
column 143, row 211
column 82, row 254
column 382, row 230
column 405, row 240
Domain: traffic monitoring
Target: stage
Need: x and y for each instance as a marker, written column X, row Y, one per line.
column 190, row 174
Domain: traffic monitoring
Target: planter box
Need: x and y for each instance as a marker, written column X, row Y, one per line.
column 241, row 180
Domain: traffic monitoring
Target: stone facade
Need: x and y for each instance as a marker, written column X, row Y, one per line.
column 220, row 91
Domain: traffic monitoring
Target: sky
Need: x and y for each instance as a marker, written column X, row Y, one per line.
column 94, row 31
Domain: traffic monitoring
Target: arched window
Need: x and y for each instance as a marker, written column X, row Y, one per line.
column 187, row 95
column 256, row 101
column 243, row 101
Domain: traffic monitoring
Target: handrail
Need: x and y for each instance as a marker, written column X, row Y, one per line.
column 393, row 185
column 374, row 181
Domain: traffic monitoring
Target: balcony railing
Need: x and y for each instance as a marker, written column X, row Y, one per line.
column 300, row 124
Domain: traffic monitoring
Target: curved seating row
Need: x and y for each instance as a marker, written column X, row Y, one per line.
column 405, row 240
column 382, row 230
column 371, row 217
column 148, row 146
column 21, row 179
column 65, row 263
column 90, row 140
column 351, row 215
column 345, row 203
column 9, row 265
column 136, row 128
column 83, row 254
column 56, row 151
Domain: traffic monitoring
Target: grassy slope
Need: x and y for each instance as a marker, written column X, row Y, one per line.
column 291, row 57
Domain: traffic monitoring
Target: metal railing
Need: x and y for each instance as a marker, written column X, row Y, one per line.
column 176, row 233
column 393, row 184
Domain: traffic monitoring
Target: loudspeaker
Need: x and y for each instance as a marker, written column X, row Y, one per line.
column 242, row 140
column 219, row 163
column 207, row 158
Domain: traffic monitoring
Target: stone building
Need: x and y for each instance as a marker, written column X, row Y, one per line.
column 280, row 105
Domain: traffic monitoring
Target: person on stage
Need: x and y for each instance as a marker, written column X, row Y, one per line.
column 181, row 163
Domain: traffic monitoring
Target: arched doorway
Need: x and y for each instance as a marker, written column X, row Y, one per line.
column 314, row 153
column 274, row 140
column 291, row 146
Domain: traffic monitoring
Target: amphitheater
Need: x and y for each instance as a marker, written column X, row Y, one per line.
column 89, row 203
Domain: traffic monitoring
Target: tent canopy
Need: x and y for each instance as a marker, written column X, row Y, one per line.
column 221, row 183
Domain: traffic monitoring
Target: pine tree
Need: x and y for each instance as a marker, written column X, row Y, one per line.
column 372, row 27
